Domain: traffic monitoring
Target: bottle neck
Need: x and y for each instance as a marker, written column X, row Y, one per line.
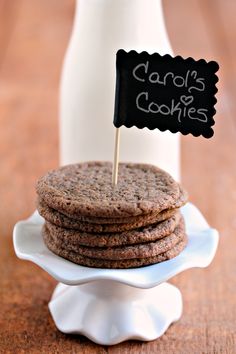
column 138, row 24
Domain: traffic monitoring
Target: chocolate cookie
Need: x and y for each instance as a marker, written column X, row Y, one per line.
column 143, row 250
column 104, row 263
column 51, row 214
column 86, row 189
column 141, row 235
column 61, row 220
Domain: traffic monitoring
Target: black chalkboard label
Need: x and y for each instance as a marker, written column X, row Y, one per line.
column 167, row 93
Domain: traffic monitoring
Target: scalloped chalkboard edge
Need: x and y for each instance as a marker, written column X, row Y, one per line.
column 214, row 65
column 207, row 135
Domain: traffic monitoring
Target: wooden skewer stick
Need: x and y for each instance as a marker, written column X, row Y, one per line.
column 116, row 158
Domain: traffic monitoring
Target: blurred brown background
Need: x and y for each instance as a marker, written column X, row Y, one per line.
column 33, row 38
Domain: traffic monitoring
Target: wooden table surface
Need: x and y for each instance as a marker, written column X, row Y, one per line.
column 33, row 39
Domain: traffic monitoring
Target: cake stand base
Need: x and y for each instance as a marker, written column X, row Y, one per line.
column 109, row 312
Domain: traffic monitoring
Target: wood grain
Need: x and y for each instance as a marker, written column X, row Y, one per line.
column 33, row 38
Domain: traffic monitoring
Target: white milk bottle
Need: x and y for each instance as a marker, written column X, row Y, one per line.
column 87, row 92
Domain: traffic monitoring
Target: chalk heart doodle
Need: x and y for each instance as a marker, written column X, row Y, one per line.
column 186, row 100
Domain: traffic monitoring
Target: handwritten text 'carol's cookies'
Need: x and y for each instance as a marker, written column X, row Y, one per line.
column 167, row 93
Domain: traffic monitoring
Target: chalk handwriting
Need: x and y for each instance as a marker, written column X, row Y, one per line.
column 179, row 108
column 141, row 73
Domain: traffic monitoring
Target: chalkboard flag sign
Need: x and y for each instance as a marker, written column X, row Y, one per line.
column 164, row 92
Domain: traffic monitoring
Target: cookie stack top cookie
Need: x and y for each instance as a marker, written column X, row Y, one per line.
column 85, row 190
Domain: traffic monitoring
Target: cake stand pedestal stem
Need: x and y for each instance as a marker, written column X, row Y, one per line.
column 102, row 310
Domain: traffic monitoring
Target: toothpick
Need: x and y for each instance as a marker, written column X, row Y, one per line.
column 116, row 158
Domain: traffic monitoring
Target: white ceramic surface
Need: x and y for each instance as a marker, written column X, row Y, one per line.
column 109, row 306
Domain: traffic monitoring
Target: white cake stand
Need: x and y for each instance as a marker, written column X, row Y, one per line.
column 111, row 306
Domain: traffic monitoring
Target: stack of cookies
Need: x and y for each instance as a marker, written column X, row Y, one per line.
column 92, row 223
